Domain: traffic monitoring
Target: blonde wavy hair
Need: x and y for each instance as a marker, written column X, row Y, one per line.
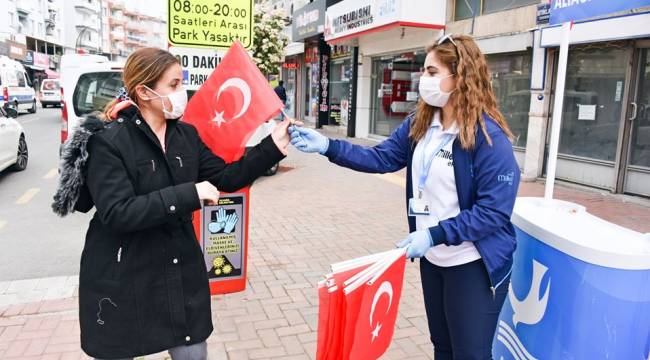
column 472, row 96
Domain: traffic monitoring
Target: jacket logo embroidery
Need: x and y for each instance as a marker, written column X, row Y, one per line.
column 99, row 313
column 507, row 178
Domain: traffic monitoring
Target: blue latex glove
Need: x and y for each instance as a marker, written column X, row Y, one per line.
column 418, row 242
column 308, row 140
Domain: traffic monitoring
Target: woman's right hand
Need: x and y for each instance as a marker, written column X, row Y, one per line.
column 308, row 140
column 207, row 192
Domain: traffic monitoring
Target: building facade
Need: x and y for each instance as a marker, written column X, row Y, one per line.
column 605, row 136
column 127, row 30
column 32, row 32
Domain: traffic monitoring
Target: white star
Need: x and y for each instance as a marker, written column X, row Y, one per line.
column 218, row 118
column 375, row 333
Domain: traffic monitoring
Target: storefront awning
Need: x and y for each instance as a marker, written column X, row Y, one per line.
column 51, row 74
column 350, row 19
column 294, row 48
column 34, row 67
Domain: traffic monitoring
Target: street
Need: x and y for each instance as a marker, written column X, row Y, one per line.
column 302, row 219
column 35, row 242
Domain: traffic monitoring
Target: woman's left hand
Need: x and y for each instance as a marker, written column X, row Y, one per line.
column 280, row 134
column 418, row 242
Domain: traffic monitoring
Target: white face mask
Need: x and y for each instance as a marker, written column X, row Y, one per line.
column 430, row 90
column 178, row 99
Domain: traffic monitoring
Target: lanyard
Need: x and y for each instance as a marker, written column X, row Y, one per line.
column 426, row 163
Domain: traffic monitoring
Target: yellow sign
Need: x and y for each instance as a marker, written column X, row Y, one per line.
column 210, row 23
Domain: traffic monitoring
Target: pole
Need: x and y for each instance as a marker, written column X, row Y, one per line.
column 557, row 111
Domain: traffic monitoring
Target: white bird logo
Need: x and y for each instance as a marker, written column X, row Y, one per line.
column 246, row 92
column 531, row 310
column 385, row 288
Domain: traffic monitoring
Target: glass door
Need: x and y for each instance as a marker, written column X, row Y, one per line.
column 592, row 115
column 637, row 169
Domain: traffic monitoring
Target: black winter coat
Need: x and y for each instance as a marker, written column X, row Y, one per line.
column 143, row 285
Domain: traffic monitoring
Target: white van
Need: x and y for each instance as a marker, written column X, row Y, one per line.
column 15, row 88
column 50, row 94
column 88, row 83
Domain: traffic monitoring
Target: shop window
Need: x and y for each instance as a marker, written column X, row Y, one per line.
column 465, row 9
column 395, row 82
column 511, row 84
column 490, row 6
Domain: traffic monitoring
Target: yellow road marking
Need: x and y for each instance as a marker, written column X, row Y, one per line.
column 27, row 196
column 52, row 173
column 392, row 178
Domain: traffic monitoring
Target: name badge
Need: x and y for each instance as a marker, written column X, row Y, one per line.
column 419, row 207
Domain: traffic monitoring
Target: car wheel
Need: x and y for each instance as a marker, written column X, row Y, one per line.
column 23, row 155
column 33, row 109
column 273, row 170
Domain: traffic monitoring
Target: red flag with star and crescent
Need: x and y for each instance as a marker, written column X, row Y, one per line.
column 358, row 303
column 235, row 100
column 375, row 323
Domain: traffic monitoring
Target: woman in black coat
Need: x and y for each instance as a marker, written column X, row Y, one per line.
column 143, row 286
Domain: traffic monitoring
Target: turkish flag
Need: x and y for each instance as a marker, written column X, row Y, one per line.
column 231, row 104
column 376, row 315
column 358, row 304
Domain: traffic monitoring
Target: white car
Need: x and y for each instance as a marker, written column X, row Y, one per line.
column 13, row 146
column 89, row 82
column 50, row 94
column 15, row 88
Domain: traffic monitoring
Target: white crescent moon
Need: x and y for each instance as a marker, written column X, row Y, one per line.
column 385, row 288
column 245, row 90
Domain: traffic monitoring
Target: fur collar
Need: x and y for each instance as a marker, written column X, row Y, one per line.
column 74, row 155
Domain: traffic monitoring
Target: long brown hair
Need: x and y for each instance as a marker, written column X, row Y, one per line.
column 473, row 93
column 144, row 66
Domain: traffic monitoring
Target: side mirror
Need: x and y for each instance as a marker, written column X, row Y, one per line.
column 11, row 112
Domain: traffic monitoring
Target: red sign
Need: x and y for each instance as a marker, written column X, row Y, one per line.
column 42, row 60
column 290, row 66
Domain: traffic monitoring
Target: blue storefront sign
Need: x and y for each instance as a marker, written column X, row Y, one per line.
column 580, row 288
column 572, row 10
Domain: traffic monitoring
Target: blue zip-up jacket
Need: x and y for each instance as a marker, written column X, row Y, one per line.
column 487, row 179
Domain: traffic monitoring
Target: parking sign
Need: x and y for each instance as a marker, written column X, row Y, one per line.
column 210, row 23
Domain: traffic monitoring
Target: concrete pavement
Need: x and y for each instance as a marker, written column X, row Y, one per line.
column 309, row 215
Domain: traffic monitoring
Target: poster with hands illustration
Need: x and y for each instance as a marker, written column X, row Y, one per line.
column 223, row 237
column 224, row 221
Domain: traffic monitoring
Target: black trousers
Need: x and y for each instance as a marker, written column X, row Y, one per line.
column 461, row 309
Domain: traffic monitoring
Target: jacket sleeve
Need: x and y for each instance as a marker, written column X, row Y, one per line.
column 241, row 173
column 496, row 175
column 389, row 156
column 118, row 206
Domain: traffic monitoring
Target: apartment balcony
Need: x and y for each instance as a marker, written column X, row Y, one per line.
column 92, row 6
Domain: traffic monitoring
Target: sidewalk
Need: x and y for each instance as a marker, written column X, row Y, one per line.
column 309, row 215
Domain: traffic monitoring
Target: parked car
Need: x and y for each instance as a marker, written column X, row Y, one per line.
column 50, row 94
column 16, row 89
column 88, row 83
column 13, row 145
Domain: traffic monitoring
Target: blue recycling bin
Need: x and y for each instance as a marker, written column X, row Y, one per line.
column 580, row 287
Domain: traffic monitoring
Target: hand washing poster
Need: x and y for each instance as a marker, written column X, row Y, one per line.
column 223, row 237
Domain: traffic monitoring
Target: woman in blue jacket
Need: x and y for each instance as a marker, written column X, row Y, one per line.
column 462, row 181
